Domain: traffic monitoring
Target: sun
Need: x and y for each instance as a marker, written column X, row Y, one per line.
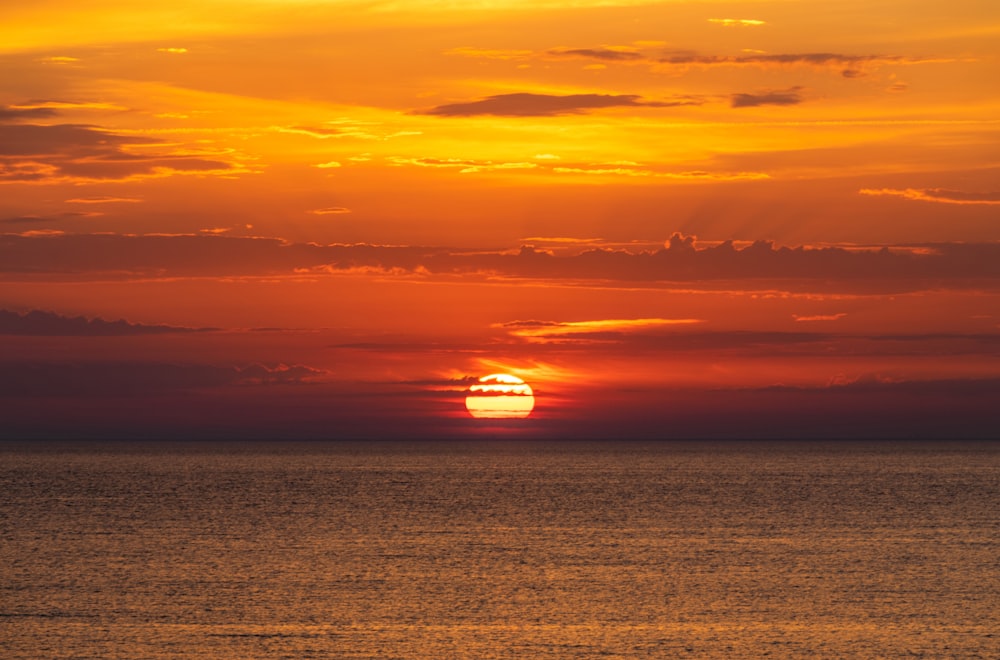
column 500, row 396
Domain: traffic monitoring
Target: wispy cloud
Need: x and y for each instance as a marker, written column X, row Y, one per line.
column 629, row 169
column 610, row 54
column 737, row 22
column 318, row 132
column 358, row 130
column 58, row 217
column 525, row 104
column 44, row 153
column 97, row 379
column 491, row 53
column 938, row 195
column 601, row 329
column 561, row 239
column 15, row 113
column 652, row 54
column 819, row 317
column 104, row 199
column 789, row 96
column 331, row 210
column 636, row 170
column 850, row 66
column 69, row 105
column 43, row 323
column 463, row 165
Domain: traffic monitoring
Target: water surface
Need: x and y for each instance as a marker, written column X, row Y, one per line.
column 499, row 550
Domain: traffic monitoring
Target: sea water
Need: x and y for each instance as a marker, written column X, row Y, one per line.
column 499, row 550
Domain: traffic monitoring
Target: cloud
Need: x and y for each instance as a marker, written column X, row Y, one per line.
column 16, row 113
column 560, row 331
column 789, row 96
column 491, row 53
column 80, row 153
column 939, row 195
column 682, row 260
column 49, row 324
column 819, row 317
column 561, row 239
column 680, row 336
column 311, row 131
column 54, row 105
column 547, row 105
column 603, row 53
column 104, row 199
column 464, row 166
column 848, row 65
column 35, row 219
column 331, row 210
column 737, row 22
column 548, row 165
column 658, row 335
column 129, row 379
column 360, row 130
column 874, row 382
column 629, row 169
column 812, row 59
column 172, row 51
column 41, row 232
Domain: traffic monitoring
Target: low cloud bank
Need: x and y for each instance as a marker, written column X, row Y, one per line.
column 42, row 323
column 892, row 268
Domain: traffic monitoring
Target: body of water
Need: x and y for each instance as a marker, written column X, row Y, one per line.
column 499, row 550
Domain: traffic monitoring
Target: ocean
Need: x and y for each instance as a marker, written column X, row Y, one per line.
column 499, row 549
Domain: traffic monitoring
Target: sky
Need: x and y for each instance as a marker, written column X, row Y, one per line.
column 328, row 219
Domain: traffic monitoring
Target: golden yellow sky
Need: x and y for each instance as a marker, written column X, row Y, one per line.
column 798, row 122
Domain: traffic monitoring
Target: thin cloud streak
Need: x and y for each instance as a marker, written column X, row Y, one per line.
column 104, row 200
column 937, row 195
column 603, row 53
column 848, row 65
column 541, row 330
column 789, row 96
column 525, row 104
column 39, row 323
column 547, row 165
column 818, row 317
column 737, row 22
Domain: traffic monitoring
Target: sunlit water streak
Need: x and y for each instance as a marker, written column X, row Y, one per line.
column 499, row 550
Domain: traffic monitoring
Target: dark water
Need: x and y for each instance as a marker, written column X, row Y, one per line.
column 502, row 550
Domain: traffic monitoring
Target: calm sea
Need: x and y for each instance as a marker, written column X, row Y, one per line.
column 499, row 550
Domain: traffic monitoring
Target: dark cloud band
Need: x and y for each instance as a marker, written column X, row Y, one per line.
column 86, row 256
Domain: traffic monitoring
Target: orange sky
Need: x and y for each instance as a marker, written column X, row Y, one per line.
column 671, row 218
